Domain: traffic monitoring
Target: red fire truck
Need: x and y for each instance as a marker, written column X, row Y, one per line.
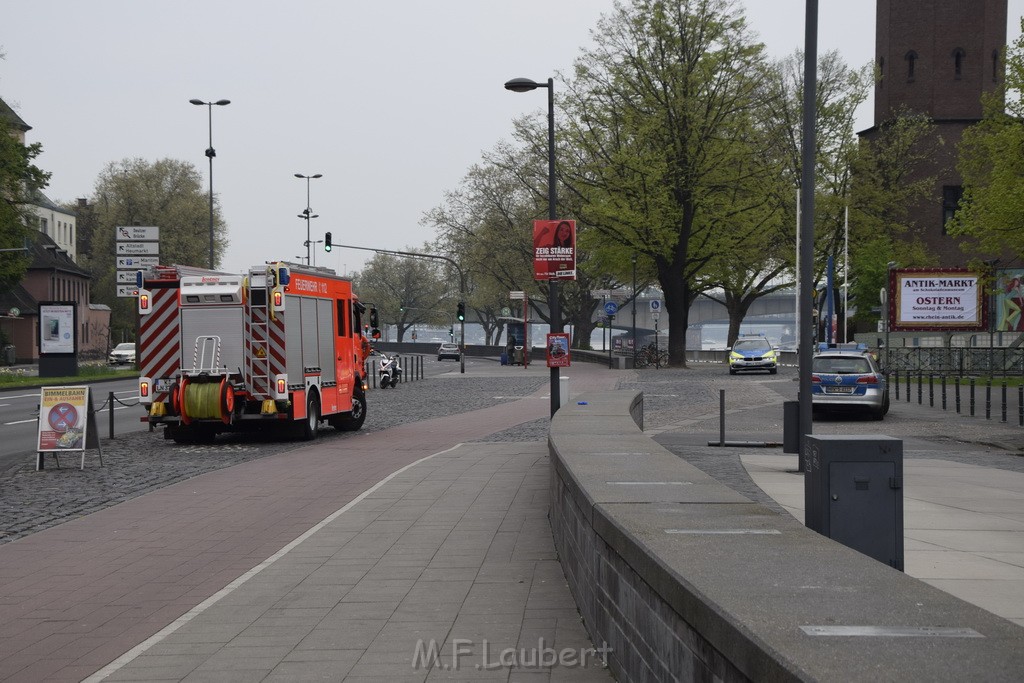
column 280, row 348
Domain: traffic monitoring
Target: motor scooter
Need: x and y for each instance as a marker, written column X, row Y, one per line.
column 389, row 372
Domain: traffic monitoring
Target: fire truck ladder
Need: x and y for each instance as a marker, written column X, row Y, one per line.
column 206, row 355
column 258, row 360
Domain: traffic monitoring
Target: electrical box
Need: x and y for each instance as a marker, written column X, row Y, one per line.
column 853, row 493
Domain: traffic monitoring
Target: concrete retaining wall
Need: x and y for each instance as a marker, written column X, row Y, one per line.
column 687, row 580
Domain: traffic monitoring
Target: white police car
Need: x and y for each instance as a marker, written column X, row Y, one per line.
column 848, row 380
column 753, row 353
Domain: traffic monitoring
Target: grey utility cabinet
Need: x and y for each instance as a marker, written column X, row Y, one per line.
column 853, row 493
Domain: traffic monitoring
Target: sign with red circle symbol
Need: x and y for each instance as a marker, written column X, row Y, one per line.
column 62, row 416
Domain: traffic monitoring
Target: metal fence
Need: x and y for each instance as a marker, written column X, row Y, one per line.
column 960, row 361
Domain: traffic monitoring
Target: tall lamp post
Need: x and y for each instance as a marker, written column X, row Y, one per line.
column 526, row 85
column 210, row 154
column 633, row 259
column 307, row 212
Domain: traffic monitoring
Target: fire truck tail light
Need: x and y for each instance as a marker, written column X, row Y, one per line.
column 144, row 308
column 281, row 387
column 278, row 298
column 144, row 387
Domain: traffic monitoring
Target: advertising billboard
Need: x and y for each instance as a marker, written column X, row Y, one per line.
column 1009, row 301
column 937, row 300
column 57, row 322
column 554, row 250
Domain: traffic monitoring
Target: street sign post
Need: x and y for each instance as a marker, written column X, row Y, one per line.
column 137, row 248
column 127, row 277
column 137, row 233
column 134, row 263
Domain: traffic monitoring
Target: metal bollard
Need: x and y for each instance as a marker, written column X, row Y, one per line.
column 1004, row 401
column 943, row 392
column 920, row 387
column 957, row 395
column 988, row 398
column 721, row 418
column 896, row 381
column 110, row 412
column 931, row 390
column 908, row 386
column 972, row 397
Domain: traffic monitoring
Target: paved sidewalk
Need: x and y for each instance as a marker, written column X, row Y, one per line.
column 445, row 572
column 963, row 525
column 77, row 596
column 963, row 482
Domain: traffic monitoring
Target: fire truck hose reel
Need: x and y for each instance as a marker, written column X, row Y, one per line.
column 201, row 401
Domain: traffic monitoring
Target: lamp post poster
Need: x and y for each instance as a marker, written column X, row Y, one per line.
column 558, row 350
column 554, row 250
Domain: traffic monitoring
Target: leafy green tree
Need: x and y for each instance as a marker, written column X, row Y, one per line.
column 992, row 168
column 166, row 193
column 20, row 180
column 407, row 291
column 887, row 181
column 660, row 117
column 762, row 261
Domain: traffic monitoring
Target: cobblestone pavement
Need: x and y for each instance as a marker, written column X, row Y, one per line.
column 140, row 462
column 680, row 412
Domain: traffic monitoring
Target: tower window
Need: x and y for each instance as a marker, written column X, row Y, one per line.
column 958, row 63
column 911, row 58
column 951, row 196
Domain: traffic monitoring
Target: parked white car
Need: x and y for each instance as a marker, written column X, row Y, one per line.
column 123, row 354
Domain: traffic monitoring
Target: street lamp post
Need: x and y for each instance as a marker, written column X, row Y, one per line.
column 210, row 154
column 886, row 308
column 307, row 212
column 526, row 85
column 633, row 259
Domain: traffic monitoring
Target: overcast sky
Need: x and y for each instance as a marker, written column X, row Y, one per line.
column 390, row 101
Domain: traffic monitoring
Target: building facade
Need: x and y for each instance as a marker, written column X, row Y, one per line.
column 938, row 57
column 53, row 275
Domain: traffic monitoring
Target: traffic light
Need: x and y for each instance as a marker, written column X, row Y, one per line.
column 374, row 321
column 461, row 315
column 327, row 241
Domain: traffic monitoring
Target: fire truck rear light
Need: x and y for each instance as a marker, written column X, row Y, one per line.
column 278, row 299
column 143, row 389
column 281, row 386
column 144, row 302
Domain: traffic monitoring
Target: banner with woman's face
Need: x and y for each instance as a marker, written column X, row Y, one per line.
column 554, row 250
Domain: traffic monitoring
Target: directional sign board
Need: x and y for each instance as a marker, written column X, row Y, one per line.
column 137, row 249
column 137, row 233
column 127, row 277
column 134, row 263
column 127, row 291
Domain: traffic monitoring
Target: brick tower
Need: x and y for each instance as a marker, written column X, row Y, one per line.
column 938, row 57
